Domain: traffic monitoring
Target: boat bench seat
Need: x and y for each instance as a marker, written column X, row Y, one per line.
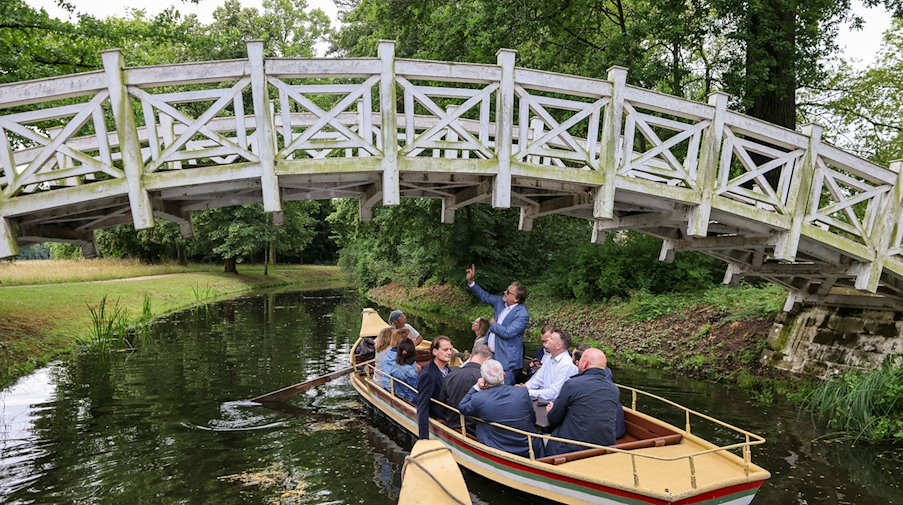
column 641, row 433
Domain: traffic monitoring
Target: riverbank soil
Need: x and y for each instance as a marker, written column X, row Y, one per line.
column 714, row 335
column 46, row 316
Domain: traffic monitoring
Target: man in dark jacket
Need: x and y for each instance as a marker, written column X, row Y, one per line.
column 429, row 385
column 494, row 401
column 459, row 381
column 588, row 408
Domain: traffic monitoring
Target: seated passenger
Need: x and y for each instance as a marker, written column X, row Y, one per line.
column 383, row 344
column 429, row 384
column 547, row 381
column 399, row 321
column 588, row 408
column 459, row 381
column 480, row 327
column 494, row 401
column 400, row 365
column 541, row 357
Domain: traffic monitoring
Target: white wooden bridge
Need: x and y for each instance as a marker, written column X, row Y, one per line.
column 123, row 145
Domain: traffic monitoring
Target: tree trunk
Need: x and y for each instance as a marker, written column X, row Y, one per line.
column 771, row 71
column 229, row 266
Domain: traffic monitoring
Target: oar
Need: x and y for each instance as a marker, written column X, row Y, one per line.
column 285, row 392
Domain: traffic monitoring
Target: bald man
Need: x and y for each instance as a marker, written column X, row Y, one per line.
column 588, row 408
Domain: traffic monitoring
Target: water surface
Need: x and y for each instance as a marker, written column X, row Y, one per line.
column 169, row 424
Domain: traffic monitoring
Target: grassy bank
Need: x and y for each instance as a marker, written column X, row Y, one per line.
column 715, row 334
column 44, row 305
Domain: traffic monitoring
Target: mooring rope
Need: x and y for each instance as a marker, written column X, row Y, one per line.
column 413, row 459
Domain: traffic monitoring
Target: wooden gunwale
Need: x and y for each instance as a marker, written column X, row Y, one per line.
column 561, row 484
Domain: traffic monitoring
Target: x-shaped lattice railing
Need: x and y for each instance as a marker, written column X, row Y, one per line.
column 49, row 163
column 659, row 163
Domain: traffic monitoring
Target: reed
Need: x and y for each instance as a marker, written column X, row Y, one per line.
column 109, row 325
column 867, row 405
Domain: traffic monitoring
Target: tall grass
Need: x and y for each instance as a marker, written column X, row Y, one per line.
column 867, row 405
column 109, row 325
column 19, row 273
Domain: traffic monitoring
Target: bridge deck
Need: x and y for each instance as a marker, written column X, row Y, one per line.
column 88, row 151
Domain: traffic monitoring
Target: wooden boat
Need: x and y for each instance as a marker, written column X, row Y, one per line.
column 431, row 477
column 655, row 463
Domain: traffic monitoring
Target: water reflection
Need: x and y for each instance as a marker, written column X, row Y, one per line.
column 125, row 428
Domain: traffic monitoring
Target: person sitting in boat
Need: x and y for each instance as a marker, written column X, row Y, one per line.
column 547, row 381
column 396, row 337
column 382, row 344
column 459, row 381
column 506, row 330
column 542, row 356
column 492, row 400
column 400, row 364
column 588, row 408
column 399, row 321
column 429, row 385
column 480, row 327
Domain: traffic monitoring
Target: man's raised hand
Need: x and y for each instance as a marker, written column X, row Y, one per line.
column 471, row 273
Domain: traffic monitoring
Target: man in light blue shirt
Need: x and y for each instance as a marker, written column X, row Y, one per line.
column 547, row 381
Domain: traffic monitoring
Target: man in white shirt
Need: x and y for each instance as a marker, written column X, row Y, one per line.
column 547, row 381
column 398, row 321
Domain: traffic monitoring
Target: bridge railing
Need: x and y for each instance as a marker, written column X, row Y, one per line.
column 152, row 128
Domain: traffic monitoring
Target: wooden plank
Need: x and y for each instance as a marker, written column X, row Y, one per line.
column 445, row 71
column 315, row 68
column 52, row 88
column 389, row 129
column 186, row 73
column 540, row 80
column 504, row 130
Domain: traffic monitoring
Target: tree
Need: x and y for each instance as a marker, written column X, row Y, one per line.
column 235, row 234
column 863, row 108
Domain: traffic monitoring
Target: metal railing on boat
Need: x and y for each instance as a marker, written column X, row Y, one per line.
column 751, row 439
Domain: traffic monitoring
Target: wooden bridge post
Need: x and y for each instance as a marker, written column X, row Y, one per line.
column 604, row 201
column 129, row 146
column 799, row 197
column 603, row 207
column 504, row 129
column 9, row 247
column 887, row 228
column 709, row 159
column 266, row 140
column 388, row 111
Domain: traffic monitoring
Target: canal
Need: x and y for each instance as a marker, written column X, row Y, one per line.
column 168, row 423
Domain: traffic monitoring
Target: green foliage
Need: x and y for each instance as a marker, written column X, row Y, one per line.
column 628, row 263
column 159, row 244
column 866, row 405
column 61, row 251
column 864, row 106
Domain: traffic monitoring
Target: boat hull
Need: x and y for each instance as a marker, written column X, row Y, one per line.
column 529, row 476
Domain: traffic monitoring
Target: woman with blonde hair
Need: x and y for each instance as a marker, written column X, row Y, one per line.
column 382, row 345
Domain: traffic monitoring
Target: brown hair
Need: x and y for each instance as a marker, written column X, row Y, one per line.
column 520, row 292
column 436, row 341
column 407, row 352
column 384, row 339
column 483, row 327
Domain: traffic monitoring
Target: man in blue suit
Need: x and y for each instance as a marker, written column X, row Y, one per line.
column 506, row 333
column 493, row 401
